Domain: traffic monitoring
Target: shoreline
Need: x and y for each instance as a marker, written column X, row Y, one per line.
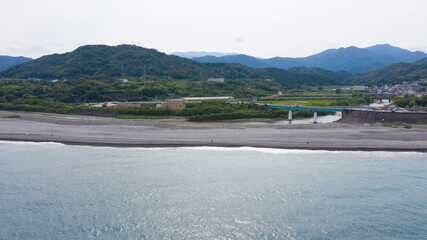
column 144, row 145
column 122, row 133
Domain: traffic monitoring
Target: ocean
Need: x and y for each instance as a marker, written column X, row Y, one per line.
column 55, row 191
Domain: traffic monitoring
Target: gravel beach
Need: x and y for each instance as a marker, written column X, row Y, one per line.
column 98, row 131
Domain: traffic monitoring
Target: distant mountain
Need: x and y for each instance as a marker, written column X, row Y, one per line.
column 400, row 54
column 8, row 61
column 104, row 62
column 350, row 59
column 393, row 74
column 241, row 58
column 195, row 54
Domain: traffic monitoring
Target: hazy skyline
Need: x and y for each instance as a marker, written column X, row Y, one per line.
column 286, row 28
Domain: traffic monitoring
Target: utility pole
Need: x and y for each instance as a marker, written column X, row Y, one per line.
column 144, row 75
column 122, row 73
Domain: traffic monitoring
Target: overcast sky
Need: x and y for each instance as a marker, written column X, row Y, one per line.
column 263, row 28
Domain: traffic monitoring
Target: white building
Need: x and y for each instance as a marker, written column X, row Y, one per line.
column 355, row 88
column 195, row 99
column 220, row 80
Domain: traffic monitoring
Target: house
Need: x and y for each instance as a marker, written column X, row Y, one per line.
column 106, row 104
column 174, row 104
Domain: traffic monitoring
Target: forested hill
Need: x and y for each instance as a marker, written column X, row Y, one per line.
column 392, row 74
column 100, row 61
column 105, row 62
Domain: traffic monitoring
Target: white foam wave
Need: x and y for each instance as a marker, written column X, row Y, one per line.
column 361, row 154
column 381, row 154
column 30, row 143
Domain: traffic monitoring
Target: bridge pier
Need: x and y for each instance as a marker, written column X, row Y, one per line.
column 290, row 115
column 315, row 117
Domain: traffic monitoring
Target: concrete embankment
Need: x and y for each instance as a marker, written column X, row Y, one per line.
column 371, row 117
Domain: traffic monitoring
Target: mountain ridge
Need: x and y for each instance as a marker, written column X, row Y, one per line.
column 351, row 59
column 104, row 62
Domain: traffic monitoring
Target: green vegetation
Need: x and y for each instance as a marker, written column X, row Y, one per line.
column 204, row 111
column 67, row 98
column 10, row 116
column 356, row 99
column 92, row 73
column 411, row 101
column 80, row 91
column 397, row 124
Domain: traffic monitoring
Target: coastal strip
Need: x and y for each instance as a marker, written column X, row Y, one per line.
column 96, row 131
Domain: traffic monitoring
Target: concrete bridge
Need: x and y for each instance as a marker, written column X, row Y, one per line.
column 359, row 115
column 314, row 109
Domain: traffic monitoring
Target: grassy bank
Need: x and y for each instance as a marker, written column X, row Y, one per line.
column 204, row 111
column 10, row 116
column 397, row 124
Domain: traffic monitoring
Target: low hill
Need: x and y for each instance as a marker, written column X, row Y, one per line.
column 105, row 62
column 8, row 61
column 392, row 74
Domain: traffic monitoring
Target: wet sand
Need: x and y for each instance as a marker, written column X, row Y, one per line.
column 98, row 131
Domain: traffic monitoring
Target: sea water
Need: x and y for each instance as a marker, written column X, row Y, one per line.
column 54, row 191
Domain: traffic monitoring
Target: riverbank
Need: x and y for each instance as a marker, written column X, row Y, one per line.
column 98, row 131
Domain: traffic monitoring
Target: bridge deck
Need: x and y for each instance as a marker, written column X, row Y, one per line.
column 317, row 109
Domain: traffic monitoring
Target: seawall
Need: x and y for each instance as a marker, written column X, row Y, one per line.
column 371, row 117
